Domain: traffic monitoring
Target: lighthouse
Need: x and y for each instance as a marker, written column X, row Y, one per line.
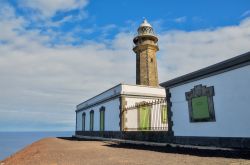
column 145, row 49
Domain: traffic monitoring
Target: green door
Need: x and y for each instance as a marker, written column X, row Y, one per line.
column 144, row 118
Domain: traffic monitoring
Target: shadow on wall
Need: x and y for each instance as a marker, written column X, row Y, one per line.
column 225, row 153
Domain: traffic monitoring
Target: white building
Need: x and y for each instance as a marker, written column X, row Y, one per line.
column 206, row 107
column 211, row 106
column 129, row 107
column 114, row 110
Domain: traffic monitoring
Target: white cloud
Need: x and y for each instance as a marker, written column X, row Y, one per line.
column 52, row 80
column 182, row 52
column 49, row 7
column 180, row 19
column 107, row 28
column 42, row 84
column 46, row 13
column 246, row 13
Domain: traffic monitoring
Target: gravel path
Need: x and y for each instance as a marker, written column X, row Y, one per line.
column 55, row 151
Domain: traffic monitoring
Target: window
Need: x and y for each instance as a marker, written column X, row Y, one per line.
column 200, row 104
column 102, row 118
column 200, row 108
column 144, row 115
column 91, row 124
column 164, row 115
column 83, row 121
column 151, row 60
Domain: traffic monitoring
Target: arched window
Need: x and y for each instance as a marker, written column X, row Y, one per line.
column 83, row 121
column 91, row 124
column 102, row 118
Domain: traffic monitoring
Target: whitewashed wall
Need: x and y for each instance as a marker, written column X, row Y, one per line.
column 111, row 116
column 231, row 106
column 112, row 107
column 143, row 90
column 116, row 90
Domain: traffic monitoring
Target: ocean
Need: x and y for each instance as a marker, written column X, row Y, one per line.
column 11, row 142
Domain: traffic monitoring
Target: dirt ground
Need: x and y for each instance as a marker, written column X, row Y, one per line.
column 57, row 151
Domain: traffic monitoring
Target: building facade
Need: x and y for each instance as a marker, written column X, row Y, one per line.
column 116, row 110
column 207, row 107
column 130, row 107
column 211, row 106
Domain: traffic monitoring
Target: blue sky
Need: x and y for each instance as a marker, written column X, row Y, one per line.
column 55, row 54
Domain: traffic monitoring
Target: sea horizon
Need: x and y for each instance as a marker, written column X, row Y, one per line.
column 13, row 141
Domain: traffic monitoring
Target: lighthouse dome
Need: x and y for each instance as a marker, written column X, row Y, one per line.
column 145, row 23
column 145, row 30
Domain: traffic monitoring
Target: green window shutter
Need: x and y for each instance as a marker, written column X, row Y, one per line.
column 102, row 115
column 144, row 113
column 91, row 121
column 164, row 115
column 83, row 122
column 200, row 107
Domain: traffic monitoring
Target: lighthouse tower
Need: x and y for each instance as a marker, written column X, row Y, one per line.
column 145, row 48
